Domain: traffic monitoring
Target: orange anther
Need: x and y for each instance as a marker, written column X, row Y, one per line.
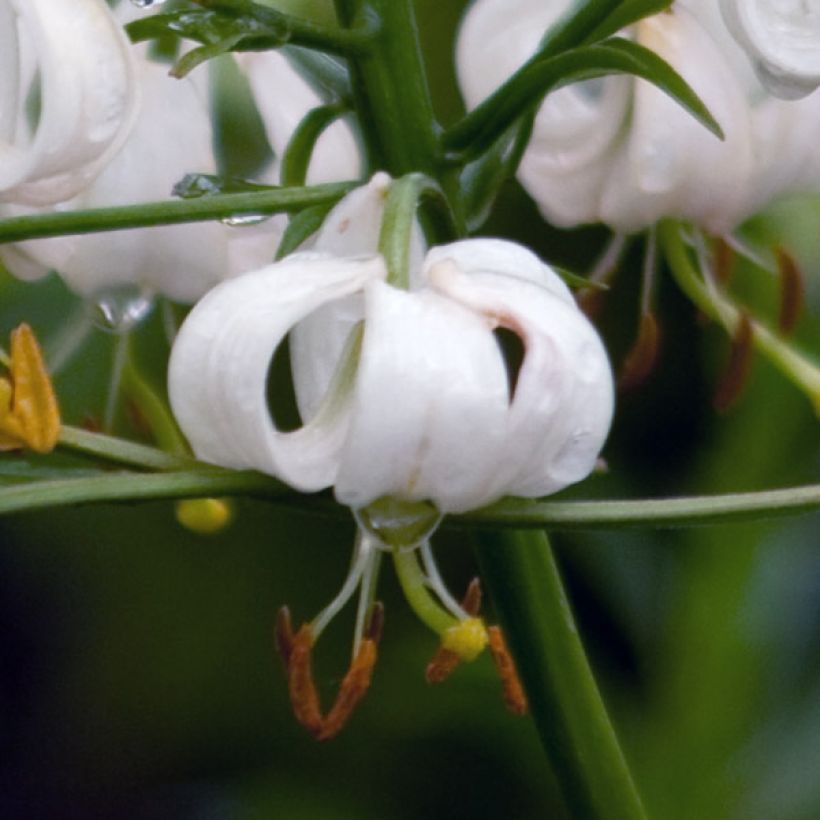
column 29, row 416
column 442, row 665
column 353, row 688
column 303, row 695
column 514, row 696
column 296, row 653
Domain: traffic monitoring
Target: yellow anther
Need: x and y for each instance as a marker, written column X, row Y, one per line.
column 467, row 638
column 204, row 516
column 29, row 416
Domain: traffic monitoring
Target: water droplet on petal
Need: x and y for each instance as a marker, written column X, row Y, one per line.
column 395, row 523
column 244, row 220
column 576, row 458
column 121, row 309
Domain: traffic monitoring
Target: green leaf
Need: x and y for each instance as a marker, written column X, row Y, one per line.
column 625, row 14
column 528, row 86
column 301, row 227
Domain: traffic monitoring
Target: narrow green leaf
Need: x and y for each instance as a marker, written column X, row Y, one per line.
column 528, row 86
column 625, row 14
column 300, row 228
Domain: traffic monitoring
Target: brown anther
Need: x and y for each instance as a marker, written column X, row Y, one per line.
column 723, row 262
column 353, row 688
column 442, row 665
column 641, row 359
column 283, row 634
column 514, row 696
column 738, row 367
column 471, row 603
column 375, row 622
column 303, row 695
column 296, row 653
column 29, row 416
column 792, row 291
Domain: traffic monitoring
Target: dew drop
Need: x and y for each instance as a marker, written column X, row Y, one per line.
column 245, row 220
column 145, row 4
column 119, row 310
column 399, row 524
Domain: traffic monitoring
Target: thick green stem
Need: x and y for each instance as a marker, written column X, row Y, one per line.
column 171, row 212
column 390, row 89
column 522, row 577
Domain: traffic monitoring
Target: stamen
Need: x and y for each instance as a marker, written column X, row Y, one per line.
column 461, row 642
column 29, row 415
column 641, row 359
column 357, row 680
column 738, row 367
column 792, row 291
column 367, row 593
column 436, row 582
column 303, row 695
column 362, row 555
column 514, row 695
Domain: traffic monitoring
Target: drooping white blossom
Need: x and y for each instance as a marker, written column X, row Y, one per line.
column 172, row 136
column 619, row 151
column 782, row 38
column 72, row 62
column 420, row 405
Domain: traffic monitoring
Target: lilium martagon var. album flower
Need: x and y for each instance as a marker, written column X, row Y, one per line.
column 410, row 410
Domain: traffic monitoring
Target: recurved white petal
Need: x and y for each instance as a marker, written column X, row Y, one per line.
column 562, row 407
column 171, row 137
column 219, row 367
column 87, row 97
column 782, row 39
column 427, row 420
column 351, row 229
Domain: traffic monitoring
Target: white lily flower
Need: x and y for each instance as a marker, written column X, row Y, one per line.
column 782, row 38
column 283, row 99
column 75, row 57
column 425, row 410
column 619, row 151
column 172, row 136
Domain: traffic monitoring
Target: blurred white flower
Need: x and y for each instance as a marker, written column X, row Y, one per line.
column 417, row 402
column 283, row 99
column 619, row 151
column 67, row 96
column 172, row 136
column 782, row 38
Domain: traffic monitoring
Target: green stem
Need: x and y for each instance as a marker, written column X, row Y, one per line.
column 276, row 27
column 390, row 88
column 171, row 212
column 414, row 586
column 120, row 451
column 522, row 577
column 719, row 306
column 153, row 409
column 297, row 156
